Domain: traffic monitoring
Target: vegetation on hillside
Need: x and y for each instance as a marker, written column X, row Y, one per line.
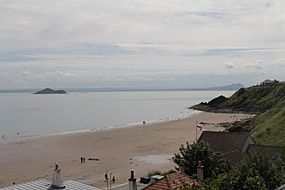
column 267, row 101
column 269, row 127
column 256, row 99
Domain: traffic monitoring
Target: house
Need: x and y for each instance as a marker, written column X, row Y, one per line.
column 44, row 184
column 171, row 181
column 233, row 145
column 268, row 82
column 270, row 152
column 56, row 183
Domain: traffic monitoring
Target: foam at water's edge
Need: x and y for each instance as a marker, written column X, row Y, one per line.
column 91, row 130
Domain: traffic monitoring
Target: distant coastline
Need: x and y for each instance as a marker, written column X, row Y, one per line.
column 231, row 87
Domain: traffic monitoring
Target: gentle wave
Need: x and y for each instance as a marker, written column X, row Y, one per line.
column 92, row 130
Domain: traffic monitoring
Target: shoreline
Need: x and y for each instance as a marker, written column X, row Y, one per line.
column 33, row 158
column 11, row 139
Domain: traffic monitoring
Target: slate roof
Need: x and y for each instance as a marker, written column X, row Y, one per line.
column 271, row 152
column 43, row 184
column 171, row 182
column 230, row 144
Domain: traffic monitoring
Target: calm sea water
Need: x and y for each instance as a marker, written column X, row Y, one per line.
column 31, row 114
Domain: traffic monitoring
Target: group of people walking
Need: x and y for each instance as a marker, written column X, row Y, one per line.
column 107, row 179
column 82, row 160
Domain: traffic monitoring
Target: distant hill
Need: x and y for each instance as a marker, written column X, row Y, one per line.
column 266, row 100
column 50, row 91
column 235, row 86
column 131, row 89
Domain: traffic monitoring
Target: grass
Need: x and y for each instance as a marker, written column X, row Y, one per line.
column 269, row 127
column 268, row 101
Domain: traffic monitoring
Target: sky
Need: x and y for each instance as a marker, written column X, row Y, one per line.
column 140, row 43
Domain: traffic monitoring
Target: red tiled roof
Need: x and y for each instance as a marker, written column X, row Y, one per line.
column 171, row 182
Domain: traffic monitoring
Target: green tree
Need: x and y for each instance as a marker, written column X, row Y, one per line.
column 190, row 154
column 254, row 172
column 254, row 183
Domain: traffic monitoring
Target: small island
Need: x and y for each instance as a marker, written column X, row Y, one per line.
column 50, row 91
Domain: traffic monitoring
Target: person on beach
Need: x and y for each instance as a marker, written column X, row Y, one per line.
column 113, row 179
column 106, row 177
column 3, row 136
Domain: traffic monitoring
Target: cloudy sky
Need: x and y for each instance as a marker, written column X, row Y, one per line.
column 148, row 43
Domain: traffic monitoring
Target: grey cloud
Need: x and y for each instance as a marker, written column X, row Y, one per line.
column 229, row 65
column 215, row 15
column 258, row 65
column 25, row 73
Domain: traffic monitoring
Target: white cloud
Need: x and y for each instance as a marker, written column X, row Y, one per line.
column 62, row 74
column 257, row 65
column 25, row 73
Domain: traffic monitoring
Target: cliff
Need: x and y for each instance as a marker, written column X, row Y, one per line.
column 266, row 101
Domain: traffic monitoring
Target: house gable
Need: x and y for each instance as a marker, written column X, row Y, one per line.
column 233, row 145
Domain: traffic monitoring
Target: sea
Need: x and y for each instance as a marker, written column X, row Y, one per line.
column 29, row 115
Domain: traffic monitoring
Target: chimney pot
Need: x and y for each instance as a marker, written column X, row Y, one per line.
column 200, row 171
column 132, row 174
column 132, row 181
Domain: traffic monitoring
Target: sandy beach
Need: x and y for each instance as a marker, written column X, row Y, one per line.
column 144, row 148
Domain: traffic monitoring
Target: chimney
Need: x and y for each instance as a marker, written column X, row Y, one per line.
column 56, row 179
column 132, row 181
column 181, row 169
column 200, row 171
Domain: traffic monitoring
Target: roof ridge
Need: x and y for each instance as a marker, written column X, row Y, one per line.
column 227, row 132
column 154, row 183
column 167, row 181
column 264, row 145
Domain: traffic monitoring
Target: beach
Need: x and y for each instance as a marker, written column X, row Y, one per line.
column 143, row 148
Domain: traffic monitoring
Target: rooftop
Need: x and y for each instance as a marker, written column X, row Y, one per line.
column 43, row 184
column 171, row 182
column 231, row 144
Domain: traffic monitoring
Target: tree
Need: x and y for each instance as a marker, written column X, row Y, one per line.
column 190, row 154
column 253, row 173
